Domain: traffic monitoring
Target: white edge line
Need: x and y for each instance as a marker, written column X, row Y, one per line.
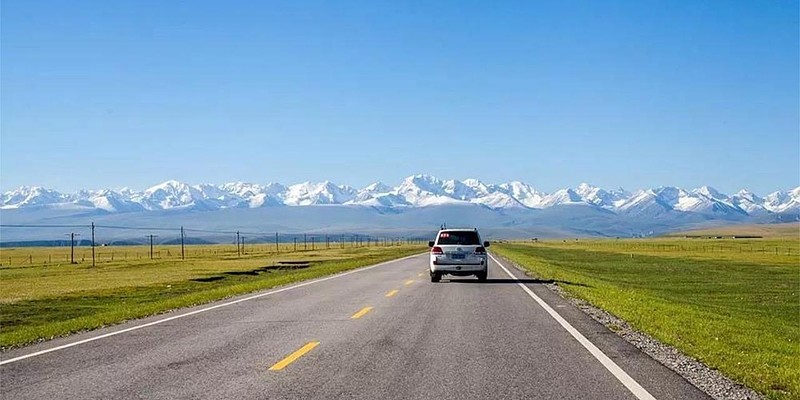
column 634, row 387
column 174, row 317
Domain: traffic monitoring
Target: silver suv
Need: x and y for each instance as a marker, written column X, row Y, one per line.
column 458, row 252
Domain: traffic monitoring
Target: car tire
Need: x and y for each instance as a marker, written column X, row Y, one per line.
column 435, row 277
column 482, row 276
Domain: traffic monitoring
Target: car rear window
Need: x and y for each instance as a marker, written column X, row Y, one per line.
column 459, row 237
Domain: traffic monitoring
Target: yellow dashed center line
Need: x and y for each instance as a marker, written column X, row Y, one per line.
column 408, row 282
column 361, row 313
column 420, row 274
column 392, row 293
column 294, row 356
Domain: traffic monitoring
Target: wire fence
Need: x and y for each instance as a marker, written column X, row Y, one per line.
column 729, row 246
column 97, row 243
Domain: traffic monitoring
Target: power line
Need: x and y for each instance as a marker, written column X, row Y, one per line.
column 41, row 226
column 137, row 228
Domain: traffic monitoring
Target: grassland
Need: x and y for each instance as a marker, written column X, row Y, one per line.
column 732, row 304
column 44, row 296
column 789, row 230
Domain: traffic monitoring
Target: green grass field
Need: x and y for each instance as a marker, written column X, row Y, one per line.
column 46, row 296
column 733, row 304
column 788, row 230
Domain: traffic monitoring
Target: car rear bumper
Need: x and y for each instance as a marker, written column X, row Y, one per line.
column 457, row 268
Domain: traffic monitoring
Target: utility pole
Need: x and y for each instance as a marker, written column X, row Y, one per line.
column 305, row 242
column 72, row 246
column 242, row 244
column 93, row 264
column 312, row 243
column 151, row 244
column 183, row 236
column 277, row 249
column 295, row 243
column 238, row 249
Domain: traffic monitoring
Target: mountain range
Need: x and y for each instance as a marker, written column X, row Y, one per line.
column 414, row 191
column 413, row 207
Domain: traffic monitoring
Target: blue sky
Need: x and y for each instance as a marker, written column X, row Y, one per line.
column 633, row 94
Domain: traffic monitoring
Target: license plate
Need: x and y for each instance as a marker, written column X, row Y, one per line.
column 457, row 256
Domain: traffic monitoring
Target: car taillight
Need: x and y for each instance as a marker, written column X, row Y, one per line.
column 480, row 250
column 437, row 250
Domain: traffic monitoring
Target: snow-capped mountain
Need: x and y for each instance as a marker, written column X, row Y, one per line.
column 523, row 193
column 413, row 192
column 30, row 196
column 378, row 194
column 781, row 202
column 563, row 197
column 601, row 197
column 704, row 200
column 748, row 201
column 171, row 194
column 107, row 200
column 307, row 193
column 425, row 190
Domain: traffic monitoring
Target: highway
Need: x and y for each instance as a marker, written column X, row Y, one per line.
column 382, row 332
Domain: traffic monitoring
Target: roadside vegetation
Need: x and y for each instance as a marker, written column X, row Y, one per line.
column 732, row 304
column 47, row 299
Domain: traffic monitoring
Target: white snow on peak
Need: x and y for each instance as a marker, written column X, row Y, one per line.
column 783, row 201
column 600, row 197
column 498, row 200
column 709, row 191
column 523, row 193
column 748, row 201
column 377, row 187
column 29, row 196
column 424, row 190
column 307, row 193
column 168, row 195
column 562, row 197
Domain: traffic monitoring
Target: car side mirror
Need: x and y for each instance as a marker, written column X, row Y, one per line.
column 430, row 244
column 485, row 244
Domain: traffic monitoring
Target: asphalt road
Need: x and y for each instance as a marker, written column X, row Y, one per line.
column 457, row 339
